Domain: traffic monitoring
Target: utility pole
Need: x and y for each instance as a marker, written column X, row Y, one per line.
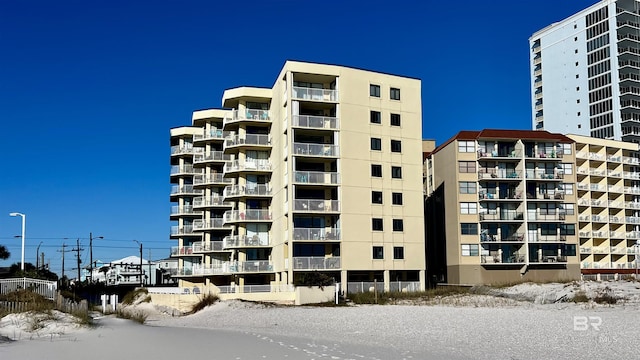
column 149, row 263
column 78, row 250
column 63, row 251
column 141, row 268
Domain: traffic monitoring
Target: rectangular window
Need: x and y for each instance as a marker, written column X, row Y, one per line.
column 394, row 94
column 395, row 119
column 396, row 172
column 376, row 170
column 374, row 90
column 376, row 117
column 470, row 250
column 376, row 224
column 396, row 198
column 466, row 146
column 567, row 229
column 548, row 229
column 376, row 144
column 468, row 208
column 396, row 146
column 398, row 252
column 378, row 253
column 469, row 229
column 468, row 187
column 569, row 209
column 467, row 166
column 376, row 197
column 567, row 168
column 398, row 225
column 568, row 189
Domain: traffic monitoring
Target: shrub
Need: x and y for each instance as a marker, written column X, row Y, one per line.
column 580, row 297
column 203, row 303
column 137, row 295
column 605, row 299
column 137, row 316
column 314, row 279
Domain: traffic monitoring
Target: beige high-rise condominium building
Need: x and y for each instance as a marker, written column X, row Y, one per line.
column 501, row 208
column 320, row 173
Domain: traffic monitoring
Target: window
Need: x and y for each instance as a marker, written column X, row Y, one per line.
column 396, row 172
column 398, row 225
column 566, row 148
column 468, row 208
column 394, row 94
column 395, row 119
column 378, row 253
column 467, row 187
column 398, row 252
column 569, row 209
column 374, row 90
column 469, row 229
column 548, row 229
column 466, row 146
column 467, row 166
column 396, row 146
column 568, row 189
column 376, row 224
column 567, row 229
column 470, row 250
column 376, row 170
column 376, row 144
column 567, row 168
column 396, row 198
column 376, row 118
column 376, row 197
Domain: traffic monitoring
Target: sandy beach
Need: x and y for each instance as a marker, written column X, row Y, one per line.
column 466, row 327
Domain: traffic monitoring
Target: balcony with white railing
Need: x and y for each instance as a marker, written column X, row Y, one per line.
column 502, row 216
column 308, row 205
column 210, row 224
column 632, row 219
column 311, row 149
column 502, row 174
column 251, row 190
column 316, row 263
column 246, row 241
column 177, row 170
column 616, row 235
column 617, row 250
column 247, row 140
column 315, row 122
column 316, row 177
column 211, row 201
column 203, row 246
column 550, row 259
column 632, row 175
column 632, row 205
column 180, row 190
column 545, row 217
column 185, row 230
column 211, row 156
column 184, row 210
column 507, row 155
column 514, row 259
column 585, row 250
column 632, row 190
column 616, row 219
column 600, row 250
column 230, row 267
column 211, row 179
column 305, row 93
column 614, row 158
column 316, row 234
column 212, row 134
column 632, row 235
column 248, row 215
column 185, row 150
column 260, row 165
column 546, row 155
column 252, row 115
column 630, row 160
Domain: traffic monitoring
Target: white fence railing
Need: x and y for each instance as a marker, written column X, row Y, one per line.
column 42, row 287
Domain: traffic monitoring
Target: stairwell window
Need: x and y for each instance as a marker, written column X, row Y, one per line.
column 470, row 250
column 376, row 144
column 398, row 252
column 376, row 117
column 395, row 119
column 378, row 253
column 374, row 90
column 396, row 146
column 394, row 94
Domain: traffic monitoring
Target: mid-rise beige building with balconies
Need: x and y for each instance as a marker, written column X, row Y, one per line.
column 501, row 208
column 321, row 173
column 608, row 205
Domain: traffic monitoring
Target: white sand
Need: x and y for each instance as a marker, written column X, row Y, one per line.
column 467, row 327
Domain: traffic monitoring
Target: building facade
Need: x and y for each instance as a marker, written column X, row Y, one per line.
column 497, row 208
column 608, row 205
column 319, row 174
column 585, row 73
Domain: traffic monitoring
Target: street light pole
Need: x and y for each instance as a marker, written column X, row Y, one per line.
column 141, row 269
column 91, row 254
column 38, row 257
column 24, row 223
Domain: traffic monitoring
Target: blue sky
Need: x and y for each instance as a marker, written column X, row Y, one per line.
column 90, row 89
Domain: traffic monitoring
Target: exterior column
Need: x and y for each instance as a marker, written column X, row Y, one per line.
column 422, row 279
column 387, row 279
column 343, row 281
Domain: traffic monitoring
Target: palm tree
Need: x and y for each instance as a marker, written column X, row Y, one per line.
column 4, row 253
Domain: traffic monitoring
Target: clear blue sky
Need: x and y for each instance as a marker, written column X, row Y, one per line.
column 90, row 89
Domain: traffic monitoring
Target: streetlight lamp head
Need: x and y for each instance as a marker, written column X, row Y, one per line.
column 14, row 214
